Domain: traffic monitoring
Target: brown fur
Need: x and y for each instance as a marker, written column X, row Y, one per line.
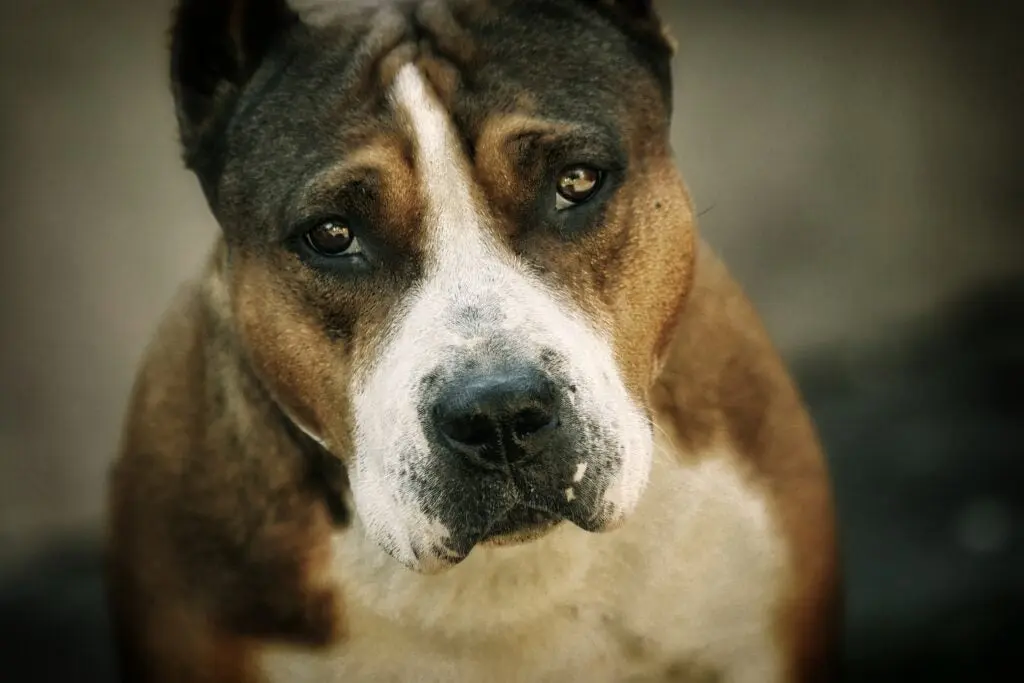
column 635, row 272
column 222, row 512
column 721, row 383
column 219, row 527
column 283, row 312
column 724, row 383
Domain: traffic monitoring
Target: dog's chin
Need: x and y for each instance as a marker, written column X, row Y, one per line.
column 519, row 526
column 517, row 513
column 520, row 537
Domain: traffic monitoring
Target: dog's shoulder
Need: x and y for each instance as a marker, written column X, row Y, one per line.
column 726, row 400
column 165, row 406
column 218, row 531
column 724, row 382
column 183, row 379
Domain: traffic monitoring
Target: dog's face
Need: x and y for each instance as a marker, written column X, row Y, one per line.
column 457, row 246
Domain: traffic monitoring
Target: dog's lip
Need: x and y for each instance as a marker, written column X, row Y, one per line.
column 534, row 517
column 534, row 509
column 494, row 535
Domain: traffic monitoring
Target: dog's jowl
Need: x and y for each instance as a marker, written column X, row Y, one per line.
column 460, row 395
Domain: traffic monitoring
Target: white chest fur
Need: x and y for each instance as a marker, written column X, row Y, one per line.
column 690, row 581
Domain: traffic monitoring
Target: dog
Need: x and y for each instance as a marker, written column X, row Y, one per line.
column 460, row 395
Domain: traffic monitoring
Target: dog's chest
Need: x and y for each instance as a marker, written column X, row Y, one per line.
column 685, row 592
column 566, row 647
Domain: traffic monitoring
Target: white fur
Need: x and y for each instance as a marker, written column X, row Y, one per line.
column 465, row 267
column 693, row 576
column 320, row 13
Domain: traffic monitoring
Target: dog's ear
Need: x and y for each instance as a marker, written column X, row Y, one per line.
column 636, row 8
column 216, row 46
column 641, row 18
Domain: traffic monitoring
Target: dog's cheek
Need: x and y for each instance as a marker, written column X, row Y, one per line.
column 654, row 273
column 290, row 352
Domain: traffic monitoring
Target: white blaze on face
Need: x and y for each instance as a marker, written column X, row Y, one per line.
column 466, row 267
column 328, row 12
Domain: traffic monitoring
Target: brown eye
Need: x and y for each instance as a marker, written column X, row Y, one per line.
column 332, row 238
column 578, row 184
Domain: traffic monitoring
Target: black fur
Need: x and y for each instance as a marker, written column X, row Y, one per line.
column 216, row 46
column 265, row 101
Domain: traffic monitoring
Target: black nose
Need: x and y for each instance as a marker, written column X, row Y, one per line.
column 498, row 418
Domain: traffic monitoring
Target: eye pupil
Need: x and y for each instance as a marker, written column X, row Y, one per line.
column 330, row 238
column 579, row 183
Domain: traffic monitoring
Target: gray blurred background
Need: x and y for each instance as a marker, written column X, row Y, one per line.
column 859, row 165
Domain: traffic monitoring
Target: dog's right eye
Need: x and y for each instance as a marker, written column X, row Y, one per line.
column 332, row 238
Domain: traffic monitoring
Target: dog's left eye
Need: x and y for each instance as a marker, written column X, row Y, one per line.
column 332, row 238
column 577, row 185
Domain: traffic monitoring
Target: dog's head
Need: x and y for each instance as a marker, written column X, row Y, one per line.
column 456, row 246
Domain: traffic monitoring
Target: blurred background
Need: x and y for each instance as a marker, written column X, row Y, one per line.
column 859, row 165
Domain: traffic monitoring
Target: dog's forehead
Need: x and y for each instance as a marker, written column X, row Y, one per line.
column 566, row 59
column 327, row 92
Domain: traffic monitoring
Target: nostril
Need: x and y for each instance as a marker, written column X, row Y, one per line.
column 469, row 430
column 530, row 421
column 496, row 419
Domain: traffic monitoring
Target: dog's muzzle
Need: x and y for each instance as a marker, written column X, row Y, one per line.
column 508, row 437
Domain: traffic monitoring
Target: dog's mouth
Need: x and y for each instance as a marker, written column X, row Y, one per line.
column 520, row 524
column 533, row 510
column 514, row 509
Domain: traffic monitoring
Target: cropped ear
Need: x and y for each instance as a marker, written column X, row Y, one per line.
column 216, row 47
column 638, row 8
column 641, row 19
